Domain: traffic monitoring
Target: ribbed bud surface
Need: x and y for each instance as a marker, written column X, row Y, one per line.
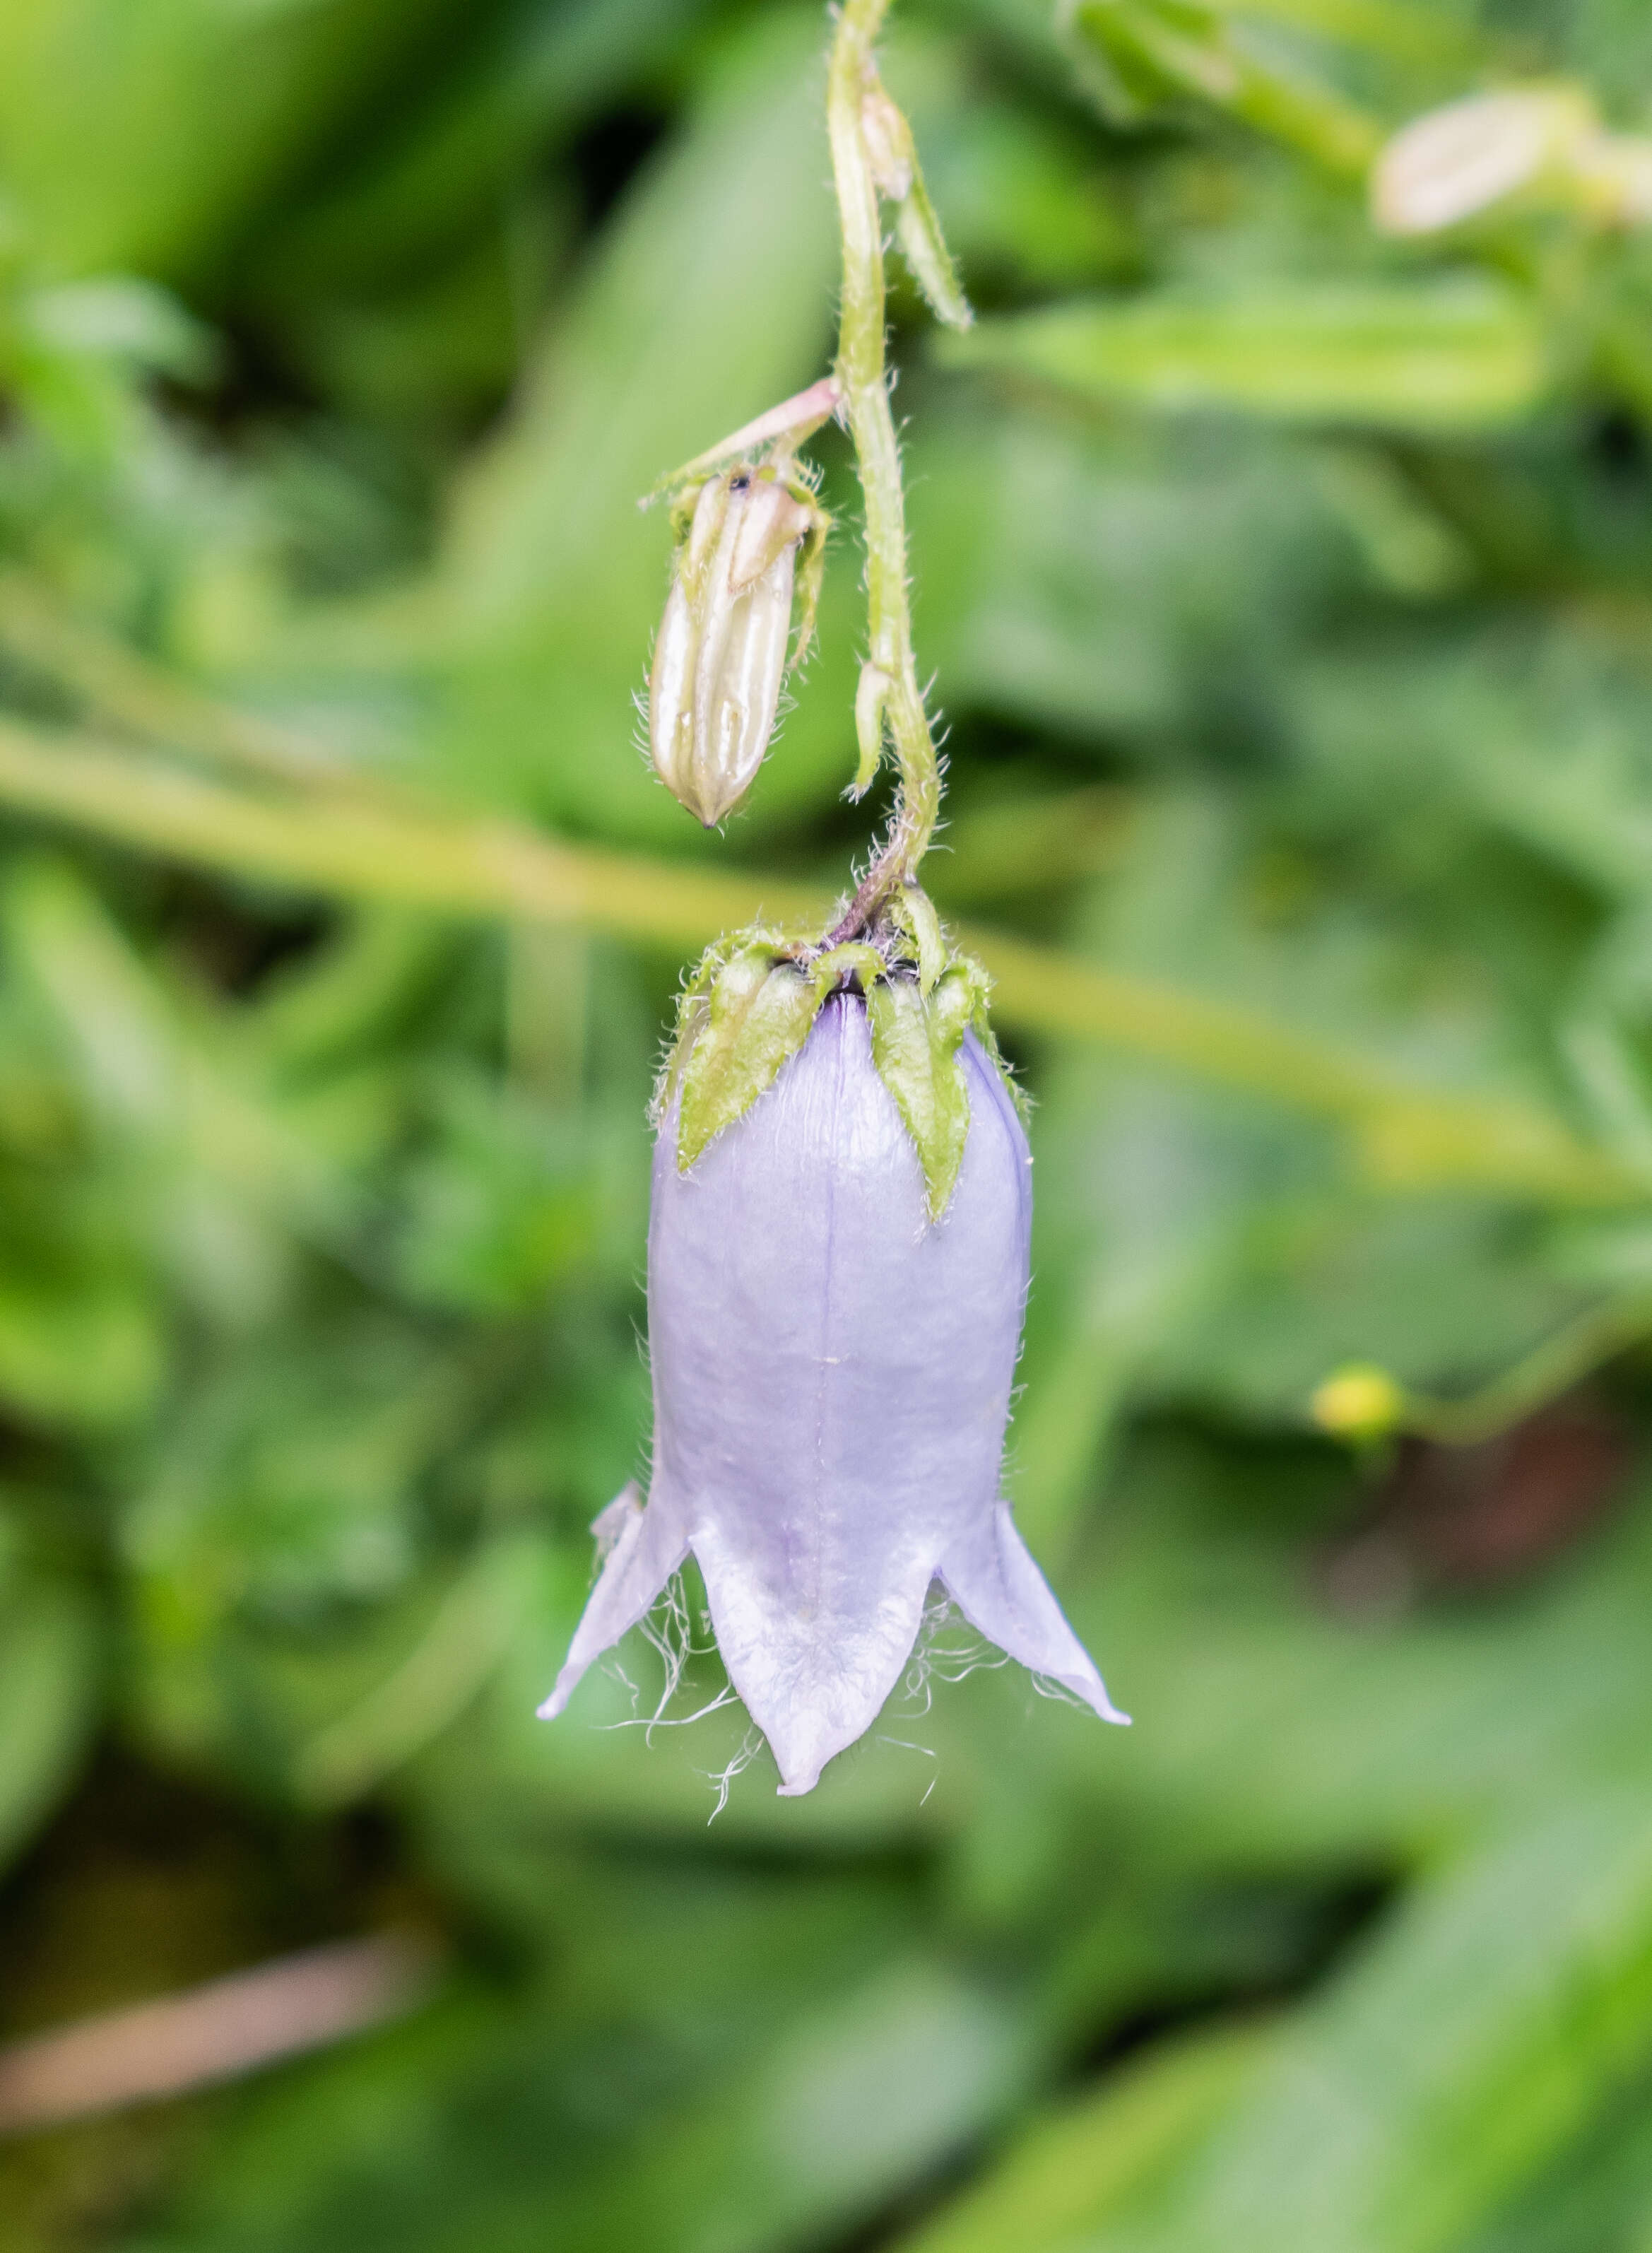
column 719, row 660
column 832, row 1384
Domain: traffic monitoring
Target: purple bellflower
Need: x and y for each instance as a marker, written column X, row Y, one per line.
column 832, row 1375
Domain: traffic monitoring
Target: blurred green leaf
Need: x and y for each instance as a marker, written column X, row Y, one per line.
column 1070, row 2178
column 146, row 138
column 87, row 1349
column 50, row 1664
column 1443, row 2068
column 1145, row 52
column 1450, row 356
column 437, row 176
column 1475, row 2040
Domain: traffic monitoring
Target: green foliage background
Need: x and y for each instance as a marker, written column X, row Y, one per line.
column 1289, row 596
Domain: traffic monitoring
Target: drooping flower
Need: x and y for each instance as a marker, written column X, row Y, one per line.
column 831, row 1373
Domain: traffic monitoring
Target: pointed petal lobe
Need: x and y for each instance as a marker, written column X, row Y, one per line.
column 647, row 1547
column 814, row 1664
column 994, row 1581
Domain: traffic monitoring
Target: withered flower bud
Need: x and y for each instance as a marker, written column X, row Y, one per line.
column 720, row 656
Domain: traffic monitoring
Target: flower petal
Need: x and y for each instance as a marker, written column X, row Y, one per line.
column 647, row 1547
column 813, row 1661
column 994, row 1581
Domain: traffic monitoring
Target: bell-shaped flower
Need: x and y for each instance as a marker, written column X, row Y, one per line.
column 832, row 1373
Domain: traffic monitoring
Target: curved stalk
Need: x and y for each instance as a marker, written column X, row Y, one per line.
column 863, row 376
column 1543, row 1376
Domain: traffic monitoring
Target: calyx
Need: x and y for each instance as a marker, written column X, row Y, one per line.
column 751, row 1004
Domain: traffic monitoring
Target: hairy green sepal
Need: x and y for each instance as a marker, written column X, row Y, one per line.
column 915, row 1038
column 928, row 259
column 912, row 912
column 742, row 1016
column 753, row 1002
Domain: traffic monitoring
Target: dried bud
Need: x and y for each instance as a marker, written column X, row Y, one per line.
column 832, row 1382
column 721, row 656
column 1448, row 166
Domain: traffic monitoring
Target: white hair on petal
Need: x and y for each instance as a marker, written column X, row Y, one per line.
column 669, row 1631
column 934, row 1660
column 906, row 1745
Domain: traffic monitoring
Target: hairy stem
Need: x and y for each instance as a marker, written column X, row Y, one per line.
column 864, row 379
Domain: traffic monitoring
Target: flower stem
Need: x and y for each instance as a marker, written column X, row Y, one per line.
column 863, row 374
